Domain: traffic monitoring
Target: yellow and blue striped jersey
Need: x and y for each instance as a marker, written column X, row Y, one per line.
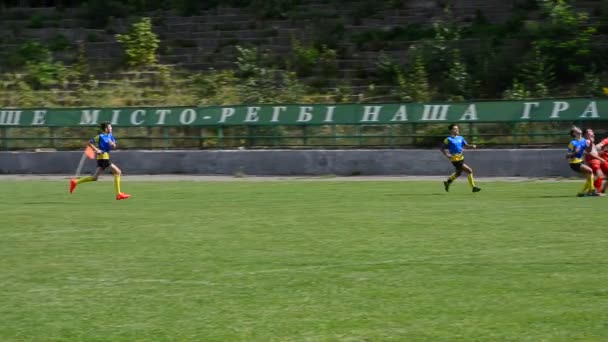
column 577, row 148
column 455, row 146
column 102, row 141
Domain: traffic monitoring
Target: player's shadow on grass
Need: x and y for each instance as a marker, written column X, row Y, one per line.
column 416, row 195
column 553, row 196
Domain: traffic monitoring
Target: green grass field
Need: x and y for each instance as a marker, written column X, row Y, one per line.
column 302, row 261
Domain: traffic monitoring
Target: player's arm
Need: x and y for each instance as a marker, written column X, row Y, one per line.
column 112, row 141
column 602, row 144
column 467, row 145
column 97, row 150
column 93, row 144
column 593, row 154
column 445, row 150
column 571, row 151
column 596, row 156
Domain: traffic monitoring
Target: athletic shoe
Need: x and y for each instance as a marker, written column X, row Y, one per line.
column 73, row 184
column 476, row 189
column 121, row 196
column 446, row 186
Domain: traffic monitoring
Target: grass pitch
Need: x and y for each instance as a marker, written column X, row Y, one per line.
column 302, row 261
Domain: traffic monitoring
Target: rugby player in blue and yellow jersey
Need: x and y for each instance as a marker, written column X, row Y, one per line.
column 576, row 151
column 102, row 144
column 452, row 148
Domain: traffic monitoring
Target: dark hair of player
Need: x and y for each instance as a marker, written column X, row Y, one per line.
column 103, row 126
column 585, row 131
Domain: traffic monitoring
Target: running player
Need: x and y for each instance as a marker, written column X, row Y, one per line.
column 594, row 160
column 602, row 148
column 576, row 149
column 452, row 148
column 102, row 144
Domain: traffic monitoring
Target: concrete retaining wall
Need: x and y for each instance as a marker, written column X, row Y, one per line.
column 490, row 163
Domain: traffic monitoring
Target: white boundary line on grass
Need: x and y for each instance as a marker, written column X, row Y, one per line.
column 59, row 231
column 322, row 267
column 120, row 281
column 303, row 178
column 297, row 269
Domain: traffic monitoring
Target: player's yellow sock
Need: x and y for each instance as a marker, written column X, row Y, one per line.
column 586, row 186
column 452, row 177
column 590, row 180
column 117, row 183
column 471, row 180
column 85, row 179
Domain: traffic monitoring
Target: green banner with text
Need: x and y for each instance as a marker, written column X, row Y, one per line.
column 318, row 114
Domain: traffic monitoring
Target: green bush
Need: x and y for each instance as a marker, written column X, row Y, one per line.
column 517, row 91
column 45, row 74
column 414, row 85
column 304, row 58
column 387, row 70
column 590, row 85
column 214, row 87
column 140, row 43
column 31, row 52
column 537, row 73
column 458, row 83
column 262, row 83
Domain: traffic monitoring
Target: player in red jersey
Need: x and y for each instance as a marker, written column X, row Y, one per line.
column 596, row 162
column 602, row 148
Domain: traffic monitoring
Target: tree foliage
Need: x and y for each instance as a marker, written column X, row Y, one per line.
column 414, row 84
column 545, row 48
column 567, row 39
column 260, row 82
column 140, row 44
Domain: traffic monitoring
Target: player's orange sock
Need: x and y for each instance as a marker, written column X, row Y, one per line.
column 117, row 183
column 85, row 179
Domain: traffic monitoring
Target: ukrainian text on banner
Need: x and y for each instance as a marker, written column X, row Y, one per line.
column 320, row 114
